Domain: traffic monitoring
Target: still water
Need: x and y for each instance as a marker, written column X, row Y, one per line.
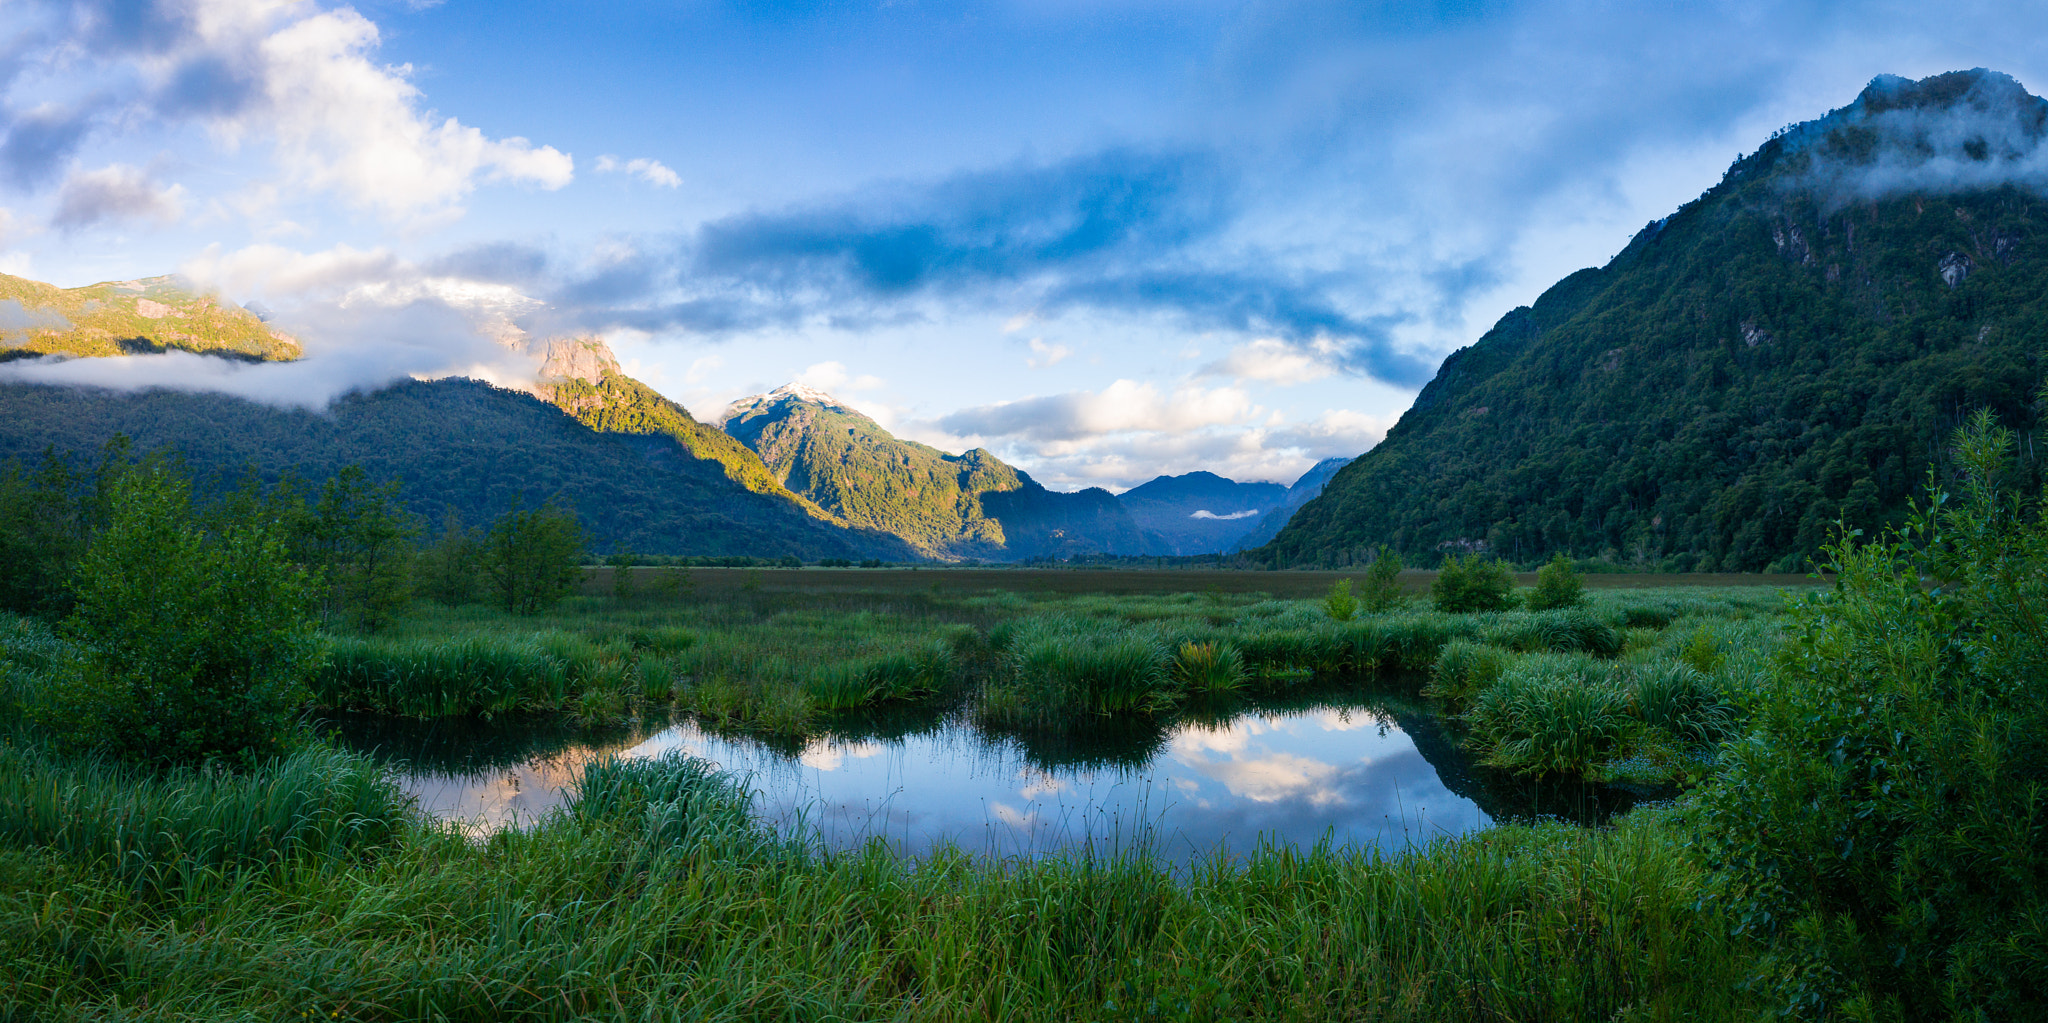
column 1355, row 773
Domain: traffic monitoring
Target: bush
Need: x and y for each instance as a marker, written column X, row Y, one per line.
column 1472, row 583
column 194, row 646
column 1557, row 586
column 1340, row 604
column 1880, row 830
column 1382, row 581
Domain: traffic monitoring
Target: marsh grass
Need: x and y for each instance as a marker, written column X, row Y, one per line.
column 655, row 895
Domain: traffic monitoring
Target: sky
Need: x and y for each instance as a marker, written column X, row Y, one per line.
column 1105, row 239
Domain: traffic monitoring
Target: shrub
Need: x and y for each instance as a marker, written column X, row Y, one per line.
column 1880, row 828
column 1472, row 583
column 1340, row 604
column 1382, row 581
column 194, row 646
column 1557, row 586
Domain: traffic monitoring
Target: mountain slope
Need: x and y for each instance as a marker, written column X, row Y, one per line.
column 581, row 377
column 1792, row 348
column 1199, row 512
column 969, row 505
column 154, row 314
column 1310, row 486
column 452, row 444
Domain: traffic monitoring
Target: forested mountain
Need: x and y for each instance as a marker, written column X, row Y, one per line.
column 1792, row 348
column 970, row 505
column 1198, row 512
column 580, row 376
column 451, row 444
column 155, row 314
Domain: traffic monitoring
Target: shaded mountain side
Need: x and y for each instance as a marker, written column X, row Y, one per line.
column 1198, row 512
column 582, row 378
column 1792, row 348
column 1041, row 523
column 1310, row 486
column 970, row 505
column 456, row 444
column 154, row 314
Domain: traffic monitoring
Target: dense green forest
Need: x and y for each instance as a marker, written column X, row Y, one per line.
column 452, row 446
column 1771, row 358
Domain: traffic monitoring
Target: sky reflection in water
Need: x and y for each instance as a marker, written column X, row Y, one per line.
column 1293, row 776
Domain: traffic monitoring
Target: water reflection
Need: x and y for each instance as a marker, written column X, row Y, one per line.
column 1368, row 773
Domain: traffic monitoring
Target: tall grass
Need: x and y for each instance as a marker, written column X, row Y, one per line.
column 173, row 830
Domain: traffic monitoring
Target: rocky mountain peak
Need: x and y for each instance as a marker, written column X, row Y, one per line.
column 789, row 393
column 578, row 358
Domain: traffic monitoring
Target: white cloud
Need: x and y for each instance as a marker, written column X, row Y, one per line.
column 1045, row 355
column 1275, row 361
column 344, row 123
column 834, row 377
column 116, row 193
column 649, row 170
column 1123, row 406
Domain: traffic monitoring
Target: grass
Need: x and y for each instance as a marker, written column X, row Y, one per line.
column 654, row 895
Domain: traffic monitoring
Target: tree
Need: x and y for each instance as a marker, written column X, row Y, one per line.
column 195, row 646
column 621, row 563
column 445, row 570
column 1473, row 582
column 46, row 519
column 1382, row 581
column 1557, row 585
column 361, row 541
column 533, row 558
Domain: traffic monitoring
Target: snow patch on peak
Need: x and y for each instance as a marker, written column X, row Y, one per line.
column 789, row 392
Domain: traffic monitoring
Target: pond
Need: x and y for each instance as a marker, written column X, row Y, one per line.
column 1376, row 773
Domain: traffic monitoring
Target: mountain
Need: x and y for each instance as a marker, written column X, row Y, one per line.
column 1791, row 349
column 581, row 377
column 451, row 444
column 155, row 314
column 970, row 505
column 1200, row 512
column 1268, row 523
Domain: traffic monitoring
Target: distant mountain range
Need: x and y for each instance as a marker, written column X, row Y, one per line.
column 1790, row 350
column 793, row 472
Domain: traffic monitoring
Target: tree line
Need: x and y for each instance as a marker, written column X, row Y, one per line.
column 364, row 555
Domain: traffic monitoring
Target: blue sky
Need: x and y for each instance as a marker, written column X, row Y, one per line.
column 1105, row 239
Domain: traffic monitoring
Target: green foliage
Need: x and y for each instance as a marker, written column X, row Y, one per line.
column 46, row 519
column 533, row 558
column 358, row 540
column 449, row 568
column 194, row 646
column 1701, row 652
column 1209, row 667
column 1550, row 714
column 1383, row 581
column 621, row 564
column 1340, row 605
column 1472, row 582
column 1881, row 825
column 1557, row 585
column 1463, row 669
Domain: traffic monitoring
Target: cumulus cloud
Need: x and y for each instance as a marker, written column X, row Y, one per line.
column 116, row 193
column 649, row 170
column 1275, row 361
column 295, row 77
column 833, row 377
column 1044, row 355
